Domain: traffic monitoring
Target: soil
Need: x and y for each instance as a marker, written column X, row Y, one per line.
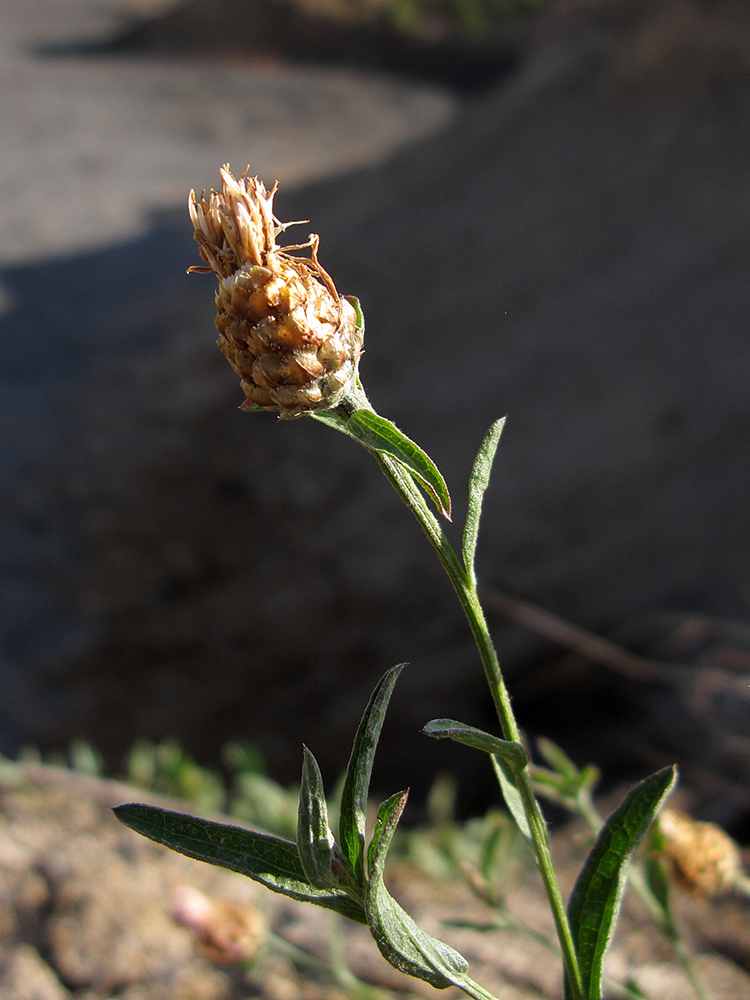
column 88, row 912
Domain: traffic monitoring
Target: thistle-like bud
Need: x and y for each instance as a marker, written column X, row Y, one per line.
column 286, row 331
column 705, row 858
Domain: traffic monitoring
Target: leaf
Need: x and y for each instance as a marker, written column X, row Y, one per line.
column 478, row 483
column 331, row 419
column 269, row 860
column 323, row 865
column 558, row 760
column 597, row 896
column 353, row 814
column 512, row 797
column 508, row 758
column 512, row 753
column 359, row 315
column 400, row 939
column 378, row 434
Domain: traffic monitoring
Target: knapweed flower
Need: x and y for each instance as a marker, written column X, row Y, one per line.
column 286, row 331
column 225, row 931
column 705, row 858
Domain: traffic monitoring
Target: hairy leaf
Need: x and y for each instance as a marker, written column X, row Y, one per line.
column 381, row 435
column 321, row 861
column 401, row 941
column 353, row 813
column 512, row 753
column 511, row 795
column 478, row 483
column 595, row 903
column 269, row 860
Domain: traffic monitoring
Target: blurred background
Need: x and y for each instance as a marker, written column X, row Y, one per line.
column 544, row 208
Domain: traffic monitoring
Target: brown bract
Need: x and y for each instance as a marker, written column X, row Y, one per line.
column 705, row 858
column 289, row 335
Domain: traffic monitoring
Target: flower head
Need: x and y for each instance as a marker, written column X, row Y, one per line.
column 705, row 858
column 286, row 331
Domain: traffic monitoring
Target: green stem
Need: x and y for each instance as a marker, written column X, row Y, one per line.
column 467, row 595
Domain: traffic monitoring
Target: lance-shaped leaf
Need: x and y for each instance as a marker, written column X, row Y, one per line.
column 513, row 753
column 401, row 941
column 512, row 797
column 378, row 434
column 508, row 758
column 597, row 896
column 478, row 483
column 353, row 812
column 410, row 457
column 321, row 860
column 269, row 860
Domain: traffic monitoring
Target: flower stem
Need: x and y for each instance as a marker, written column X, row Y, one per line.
column 467, row 595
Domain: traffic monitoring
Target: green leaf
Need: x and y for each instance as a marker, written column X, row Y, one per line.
column 508, row 758
column 512, row 753
column 558, row 760
column 269, row 860
column 507, row 781
column 478, row 483
column 595, row 903
column 360, row 316
column 321, row 860
column 378, row 434
column 332, row 419
column 657, row 882
column 353, row 814
column 389, row 814
column 401, row 941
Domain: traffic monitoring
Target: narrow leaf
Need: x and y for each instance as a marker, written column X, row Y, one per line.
column 508, row 758
column 331, row 419
column 401, row 941
column 512, row 753
column 353, row 814
column 597, row 896
column 321, row 861
column 558, row 760
column 389, row 814
column 512, row 797
column 269, row 860
column 381, row 435
column 478, row 483
column 359, row 315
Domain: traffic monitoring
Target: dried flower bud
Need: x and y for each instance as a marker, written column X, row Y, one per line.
column 225, row 932
column 282, row 325
column 705, row 858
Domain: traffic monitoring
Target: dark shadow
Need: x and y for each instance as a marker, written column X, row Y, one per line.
column 277, row 31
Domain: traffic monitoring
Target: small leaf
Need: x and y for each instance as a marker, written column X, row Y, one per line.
column 248, row 407
column 512, row 797
column 508, row 758
column 401, row 941
column 512, row 753
column 353, row 814
column 597, row 896
column 321, row 861
column 389, row 814
column 657, row 882
column 378, row 434
column 478, row 483
column 269, row 860
column 332, row 419
column 359, row 315
column 558, row 760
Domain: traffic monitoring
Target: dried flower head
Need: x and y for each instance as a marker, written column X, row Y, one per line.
column 705, row 858
column 225, row 931
column 286, row 331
